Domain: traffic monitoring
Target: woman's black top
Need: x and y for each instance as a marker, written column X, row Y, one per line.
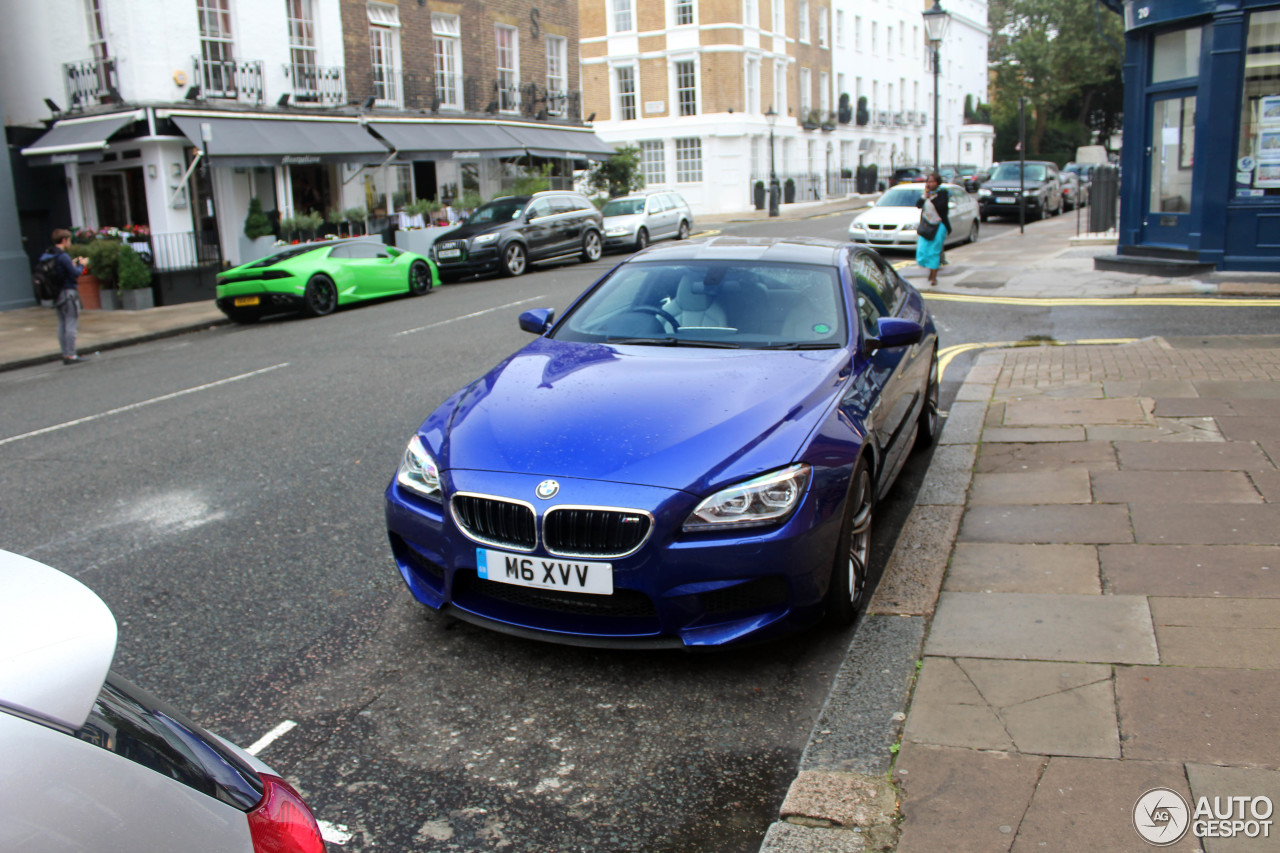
column 941, row 203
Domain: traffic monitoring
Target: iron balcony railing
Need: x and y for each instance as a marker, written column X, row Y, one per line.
column 317, row 85
column 477, row 95
column 231, row 79
column 91, row 82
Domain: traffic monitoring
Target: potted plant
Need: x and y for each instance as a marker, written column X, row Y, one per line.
column 309, row 222
column 104, row 258
column 354, row 216
column 89, row 285
column 789, row 191
column 863, row 117
column 258, row 236
column 812, row 120
column 133, row 280
column 758, row 195
column 829, row 123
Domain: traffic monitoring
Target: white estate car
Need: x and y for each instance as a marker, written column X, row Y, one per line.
column 90, row 761
column 891, row 222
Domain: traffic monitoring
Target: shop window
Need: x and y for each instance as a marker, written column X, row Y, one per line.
column 1258, row 158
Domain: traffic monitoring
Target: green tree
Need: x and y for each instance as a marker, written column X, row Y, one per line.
column 618, row 175
column 533, row 181
column 1064, row 57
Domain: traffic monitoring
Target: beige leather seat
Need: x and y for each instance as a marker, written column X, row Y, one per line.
column 695, row 305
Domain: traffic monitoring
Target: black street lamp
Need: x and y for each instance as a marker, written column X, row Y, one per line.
column 935, row 27
column 771, row 116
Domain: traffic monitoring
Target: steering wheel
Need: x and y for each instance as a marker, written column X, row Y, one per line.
column 656, row 312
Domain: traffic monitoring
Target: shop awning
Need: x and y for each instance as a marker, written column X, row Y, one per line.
column 281, row 141
column 462, row 140
column 447, row 140
column 544, row 141
column 78, row 140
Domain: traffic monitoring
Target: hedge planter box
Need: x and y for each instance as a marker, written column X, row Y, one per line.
column 420, row 240
column 109, row 297
column 137, row 299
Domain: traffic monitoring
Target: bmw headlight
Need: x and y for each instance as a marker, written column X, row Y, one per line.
column 983, row 192
column 419, row 472
column 767, row 499
column 910, row 226
column 484, row 239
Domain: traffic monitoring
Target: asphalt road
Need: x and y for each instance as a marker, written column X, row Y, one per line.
column 222, row 492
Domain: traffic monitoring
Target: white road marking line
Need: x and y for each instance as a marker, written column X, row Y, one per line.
column 271, row 737
column 139, row 405
column 469, row 316
column 334, row 833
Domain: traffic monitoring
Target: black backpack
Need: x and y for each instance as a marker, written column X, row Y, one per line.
column 46, row 280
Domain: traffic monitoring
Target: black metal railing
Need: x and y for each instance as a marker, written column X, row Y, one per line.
column 318, row 85
column 91, row 82
column 183, row 249
column 231, row 79
column 475, row 95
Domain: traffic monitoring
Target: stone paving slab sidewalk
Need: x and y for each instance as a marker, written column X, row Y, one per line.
column 1099, row 614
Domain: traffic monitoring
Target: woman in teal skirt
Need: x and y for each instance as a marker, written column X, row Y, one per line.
column 929, row 252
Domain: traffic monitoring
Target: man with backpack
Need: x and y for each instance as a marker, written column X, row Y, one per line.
column 56, row 268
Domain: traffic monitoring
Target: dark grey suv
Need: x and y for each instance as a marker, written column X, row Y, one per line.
column 1039, row 184
column 509, row 233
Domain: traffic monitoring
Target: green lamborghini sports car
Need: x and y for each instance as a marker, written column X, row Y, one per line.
column 316, row 278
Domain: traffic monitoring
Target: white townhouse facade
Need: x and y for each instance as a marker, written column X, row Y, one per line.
column 691, row 83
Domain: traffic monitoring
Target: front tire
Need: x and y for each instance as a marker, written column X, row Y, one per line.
column 320, row 297
column 592, row 247
column 852, row 560
column 930, row 421
column 514, row 260
column 419, row 278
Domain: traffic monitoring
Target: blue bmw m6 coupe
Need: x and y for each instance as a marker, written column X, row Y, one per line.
column 691, row 456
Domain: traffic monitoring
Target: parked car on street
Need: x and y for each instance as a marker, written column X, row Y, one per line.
column 1077, row 177
column 634, row 221
column 979, row 177
column 93, row 762
column 318, row 278
column 1039, row 184
column 909, row 174
column 508, row 234
column 692, row 456
column 891, row 222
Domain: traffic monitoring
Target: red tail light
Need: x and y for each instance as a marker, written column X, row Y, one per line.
column 282, row 823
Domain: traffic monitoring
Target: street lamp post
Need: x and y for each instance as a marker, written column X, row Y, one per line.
column 771, row 116
column 935, row 27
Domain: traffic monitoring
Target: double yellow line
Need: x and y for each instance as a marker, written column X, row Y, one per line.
column 947, row 354
column 1145, row 301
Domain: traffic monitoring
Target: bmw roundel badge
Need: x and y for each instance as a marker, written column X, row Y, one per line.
column 547, row 489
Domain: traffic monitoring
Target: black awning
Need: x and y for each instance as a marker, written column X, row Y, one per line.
column 78, row 140
column 551, row 141
column 447, row 140
column 283, row 141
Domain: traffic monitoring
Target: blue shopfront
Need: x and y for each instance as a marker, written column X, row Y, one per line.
column 1200, row 164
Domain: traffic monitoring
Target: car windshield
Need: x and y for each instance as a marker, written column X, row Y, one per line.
column 901, row 197
column 502, row 210
column 623, row 207
column 731, row 304
column 1009, row 172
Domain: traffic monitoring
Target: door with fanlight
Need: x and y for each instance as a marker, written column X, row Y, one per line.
column 1169, row 198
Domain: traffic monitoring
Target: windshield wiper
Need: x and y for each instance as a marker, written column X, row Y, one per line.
column 796, row 345
column 674, row 342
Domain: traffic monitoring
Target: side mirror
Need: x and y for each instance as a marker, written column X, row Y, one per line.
column 895, row 332
column 536, row 321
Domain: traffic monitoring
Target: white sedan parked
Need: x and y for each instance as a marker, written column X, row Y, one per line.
column 891, row 221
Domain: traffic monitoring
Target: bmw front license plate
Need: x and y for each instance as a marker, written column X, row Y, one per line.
column 545, row 572
column 1006, row 199
column 449, row 253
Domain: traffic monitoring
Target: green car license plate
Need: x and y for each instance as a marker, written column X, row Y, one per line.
column 246, row 301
